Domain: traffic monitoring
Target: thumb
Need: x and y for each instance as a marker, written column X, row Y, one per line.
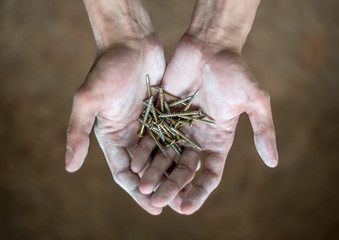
column 259, row 112
column 80, row 125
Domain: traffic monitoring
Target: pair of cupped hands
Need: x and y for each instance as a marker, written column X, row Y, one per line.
column 112, row 97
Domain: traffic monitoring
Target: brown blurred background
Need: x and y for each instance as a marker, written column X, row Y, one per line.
column 46, row 50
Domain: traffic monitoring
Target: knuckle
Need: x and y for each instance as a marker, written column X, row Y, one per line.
column 186, row 168
column 147, row 143
column 80, row 95
column 84, row 96
column 265, row 96
column 203, row 189
column 262, row 97
column 262, row 94
column 117, row 176
column 213, row 178
column 120, row 178
column 173, row 185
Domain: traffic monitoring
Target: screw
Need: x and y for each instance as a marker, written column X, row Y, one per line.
column 161, row 133
column 181, row 123
column 154, row 114
column 164, row 129
column 187, row 139
column 177, row 146
column 161, row 93
column 174, row 147
column 202, row 121
column 146, row 124
column 198, row 112
column 191, row 101
column 149, row 91
column 141, row 133
column 168, row 139
column 168, row 129
column 166, row 94
column 158, row 143
column 183, row 100
column 167, row 108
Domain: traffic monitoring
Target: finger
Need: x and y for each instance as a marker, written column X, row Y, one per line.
column 119, row 163
column 175, row 204
column 153, row 174
column 259, row 112
column 142, row 154
column 79, row 127
column 182, row 174
column 208, row 180
column 147, row 165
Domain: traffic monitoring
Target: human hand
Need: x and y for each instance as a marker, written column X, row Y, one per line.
column 227, row 89
column 112, row 95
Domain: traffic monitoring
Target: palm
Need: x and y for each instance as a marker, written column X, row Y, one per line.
column 223, row 93
column 119, row 79
column 227, row 88
column 113, row 93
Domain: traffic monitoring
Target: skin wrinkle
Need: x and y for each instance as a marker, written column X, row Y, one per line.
column 223, row 22
column 187, row 168
column 120, row 178
column 117, row 21
column 216, row 145
column 173, row 186
column 201, row 188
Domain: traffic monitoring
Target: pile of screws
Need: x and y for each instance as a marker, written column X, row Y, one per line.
column 163, row 124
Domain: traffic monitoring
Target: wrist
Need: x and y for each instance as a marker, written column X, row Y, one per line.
column 224, row 23
column 118, row 21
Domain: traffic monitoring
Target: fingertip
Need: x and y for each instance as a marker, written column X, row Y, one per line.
column 75, row 159
column 145, row 188
column 71, row 167
column 267, row 148
column 158, row 202
column 273, row 163
column 142, row 154
column 137, row 164
column 155, row 211
column 188, row 208
column 69, row 161
column 135, row 167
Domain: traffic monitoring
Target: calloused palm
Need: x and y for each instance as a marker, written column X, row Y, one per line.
column 227, row 89
column 112, row 94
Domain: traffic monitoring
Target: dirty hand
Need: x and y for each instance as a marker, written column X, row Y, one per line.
column 111, row 97
column 227, row 89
